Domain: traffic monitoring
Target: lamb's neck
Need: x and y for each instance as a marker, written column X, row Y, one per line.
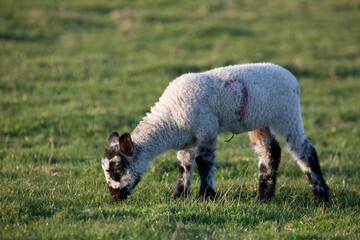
column 153, row 137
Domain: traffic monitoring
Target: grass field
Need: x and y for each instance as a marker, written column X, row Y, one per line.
column 73, row 71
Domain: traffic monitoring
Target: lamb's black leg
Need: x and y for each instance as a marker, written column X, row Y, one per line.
column 313, row 172
column 269, row 154
column 185, row 167
column 205, row 161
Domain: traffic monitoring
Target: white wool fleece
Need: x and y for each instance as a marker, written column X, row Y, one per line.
column 196, row 107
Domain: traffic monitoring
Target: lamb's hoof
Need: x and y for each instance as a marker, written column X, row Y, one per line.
column 264, row 194
column 262, row 199
column 320, row 191
column 321, row 196
column 183, row 194
column 207, row 194
column 175, row 195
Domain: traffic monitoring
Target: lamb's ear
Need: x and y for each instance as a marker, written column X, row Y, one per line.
column 126, row 145
column 113, row 138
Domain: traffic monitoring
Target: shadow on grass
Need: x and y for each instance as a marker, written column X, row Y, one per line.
column 23, row 37
column 212, row 31
column 344, row 72
column 79, row 213
column 152, row 18
column 81, row 23
column 249, row 216
column 96, row 9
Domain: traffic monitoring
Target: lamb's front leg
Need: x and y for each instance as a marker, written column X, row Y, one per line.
column 185, row 167
column 205, row 161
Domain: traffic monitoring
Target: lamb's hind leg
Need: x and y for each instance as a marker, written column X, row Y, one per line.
column 306, row 157
column 304, row 154
column 269, row 154
column 185, row 167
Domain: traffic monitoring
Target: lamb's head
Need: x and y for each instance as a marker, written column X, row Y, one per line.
column 117, row 164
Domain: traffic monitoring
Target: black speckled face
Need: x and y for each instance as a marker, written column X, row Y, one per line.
column 120, row 178
column 117, row 174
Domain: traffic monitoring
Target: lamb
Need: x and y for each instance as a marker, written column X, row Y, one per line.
column 196, row 107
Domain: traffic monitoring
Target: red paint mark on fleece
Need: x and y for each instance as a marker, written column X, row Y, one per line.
column 244, row 100
column 230, row 82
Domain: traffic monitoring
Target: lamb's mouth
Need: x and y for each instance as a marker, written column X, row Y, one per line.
column 119, row 194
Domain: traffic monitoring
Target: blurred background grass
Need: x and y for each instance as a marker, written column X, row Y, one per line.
column 73, row 71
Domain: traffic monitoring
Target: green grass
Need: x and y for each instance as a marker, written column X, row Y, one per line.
column 73, row 71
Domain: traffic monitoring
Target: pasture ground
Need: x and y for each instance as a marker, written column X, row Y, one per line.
column 73, row 71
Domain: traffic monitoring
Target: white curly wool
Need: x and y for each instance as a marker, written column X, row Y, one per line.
column 199, row 106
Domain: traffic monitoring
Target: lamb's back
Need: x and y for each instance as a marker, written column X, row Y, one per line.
column 241, row 96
